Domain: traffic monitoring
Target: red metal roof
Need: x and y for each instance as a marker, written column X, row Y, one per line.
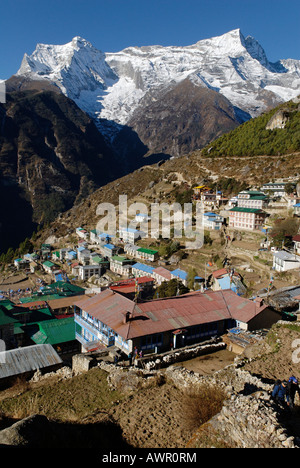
column 163, row 272
column 218, row 273
column 168, row 314
column 128, row 286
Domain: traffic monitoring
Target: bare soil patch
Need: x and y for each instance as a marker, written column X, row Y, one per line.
column 206, row 365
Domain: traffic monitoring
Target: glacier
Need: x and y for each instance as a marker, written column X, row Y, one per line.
column 110, row 86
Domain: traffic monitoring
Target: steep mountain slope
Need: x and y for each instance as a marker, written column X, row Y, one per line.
column 113, row 87
column 247, row 163
column 51, row 156
column 274, row 133
column 182, row 117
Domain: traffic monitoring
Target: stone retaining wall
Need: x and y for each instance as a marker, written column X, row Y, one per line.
column 249, row 417
column 159, row 361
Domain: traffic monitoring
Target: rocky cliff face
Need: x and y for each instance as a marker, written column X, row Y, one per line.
column 182, row 117
column 51, row 156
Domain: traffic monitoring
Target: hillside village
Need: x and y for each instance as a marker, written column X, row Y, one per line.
column 138, row 297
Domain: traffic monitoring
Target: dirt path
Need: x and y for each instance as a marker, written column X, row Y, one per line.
column 206, row 365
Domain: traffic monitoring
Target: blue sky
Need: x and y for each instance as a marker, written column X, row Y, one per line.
column 112, row 25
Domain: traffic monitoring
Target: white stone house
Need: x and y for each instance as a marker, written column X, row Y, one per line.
column 284, row 261
column 86, row 271
column 212, row 221
column 82, row 233
column 130, row 235
column 120, row 265
column 161, row 274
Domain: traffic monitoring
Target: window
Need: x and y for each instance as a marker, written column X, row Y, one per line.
column 151, row 341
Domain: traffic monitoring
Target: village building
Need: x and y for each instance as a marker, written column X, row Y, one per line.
column 131, row 249
column 296, row 209
column 180, row 275
column 82, row 233
column 108, row 250
column 58, row 333
column 87, row 271
column 140, row 269
column 120, row 265
column 212, row 221
column 110, row 319
column 49, row 267
column 129, row 235
column 21, row 263
column 142, row 217
column 252, row 199
column 247, row 218
column 25, row 361
column 7, row 324
column 62, row 307
column 296, row 241
column 232, row 202
column 275, row 189
column 223, row 279
column 131, row 288
column 197, row 191
column 97, row 237
column 83, row 255
column 161, row 274
column 149, row 255
column 284, row 261
column 209, row 198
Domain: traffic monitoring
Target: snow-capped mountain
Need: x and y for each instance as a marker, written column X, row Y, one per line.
column 111, row 86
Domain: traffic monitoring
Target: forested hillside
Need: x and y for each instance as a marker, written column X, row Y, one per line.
column 255, row 138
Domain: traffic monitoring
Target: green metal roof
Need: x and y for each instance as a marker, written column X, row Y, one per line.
column 65, row 287
column 99, row 260
column 148, row 251
column 55, row 331
column 5, row 318
column 7, row 304
column 49, row 264
column 118, row 258
column 246, row 210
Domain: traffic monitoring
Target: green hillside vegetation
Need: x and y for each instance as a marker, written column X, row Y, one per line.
column 252, row 138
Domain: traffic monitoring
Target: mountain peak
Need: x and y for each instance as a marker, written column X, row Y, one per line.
column 78, row 42
column 230, row 43
column 256, row 51
column 110, row 86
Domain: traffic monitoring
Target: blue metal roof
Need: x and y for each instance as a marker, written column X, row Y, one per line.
column 143, row 267
column 180, row 274
column 129, row 230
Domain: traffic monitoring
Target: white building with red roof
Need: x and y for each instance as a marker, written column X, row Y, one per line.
column 111, row 319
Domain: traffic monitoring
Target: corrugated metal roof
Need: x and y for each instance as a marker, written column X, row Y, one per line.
column 162, row 315
column 179, row 273
column 163, row 272
column 141, row 266
column 21, row 360
column 55, row 331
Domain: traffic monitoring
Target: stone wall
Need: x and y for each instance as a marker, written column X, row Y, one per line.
column 158, row 361
column 249, row 417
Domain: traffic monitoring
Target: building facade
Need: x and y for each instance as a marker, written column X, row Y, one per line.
column 110, row 319
column 246, row 218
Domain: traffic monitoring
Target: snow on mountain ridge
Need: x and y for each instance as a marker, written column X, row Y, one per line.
column 110, row 86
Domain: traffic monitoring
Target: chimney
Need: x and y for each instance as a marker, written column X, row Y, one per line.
column 127, row 317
